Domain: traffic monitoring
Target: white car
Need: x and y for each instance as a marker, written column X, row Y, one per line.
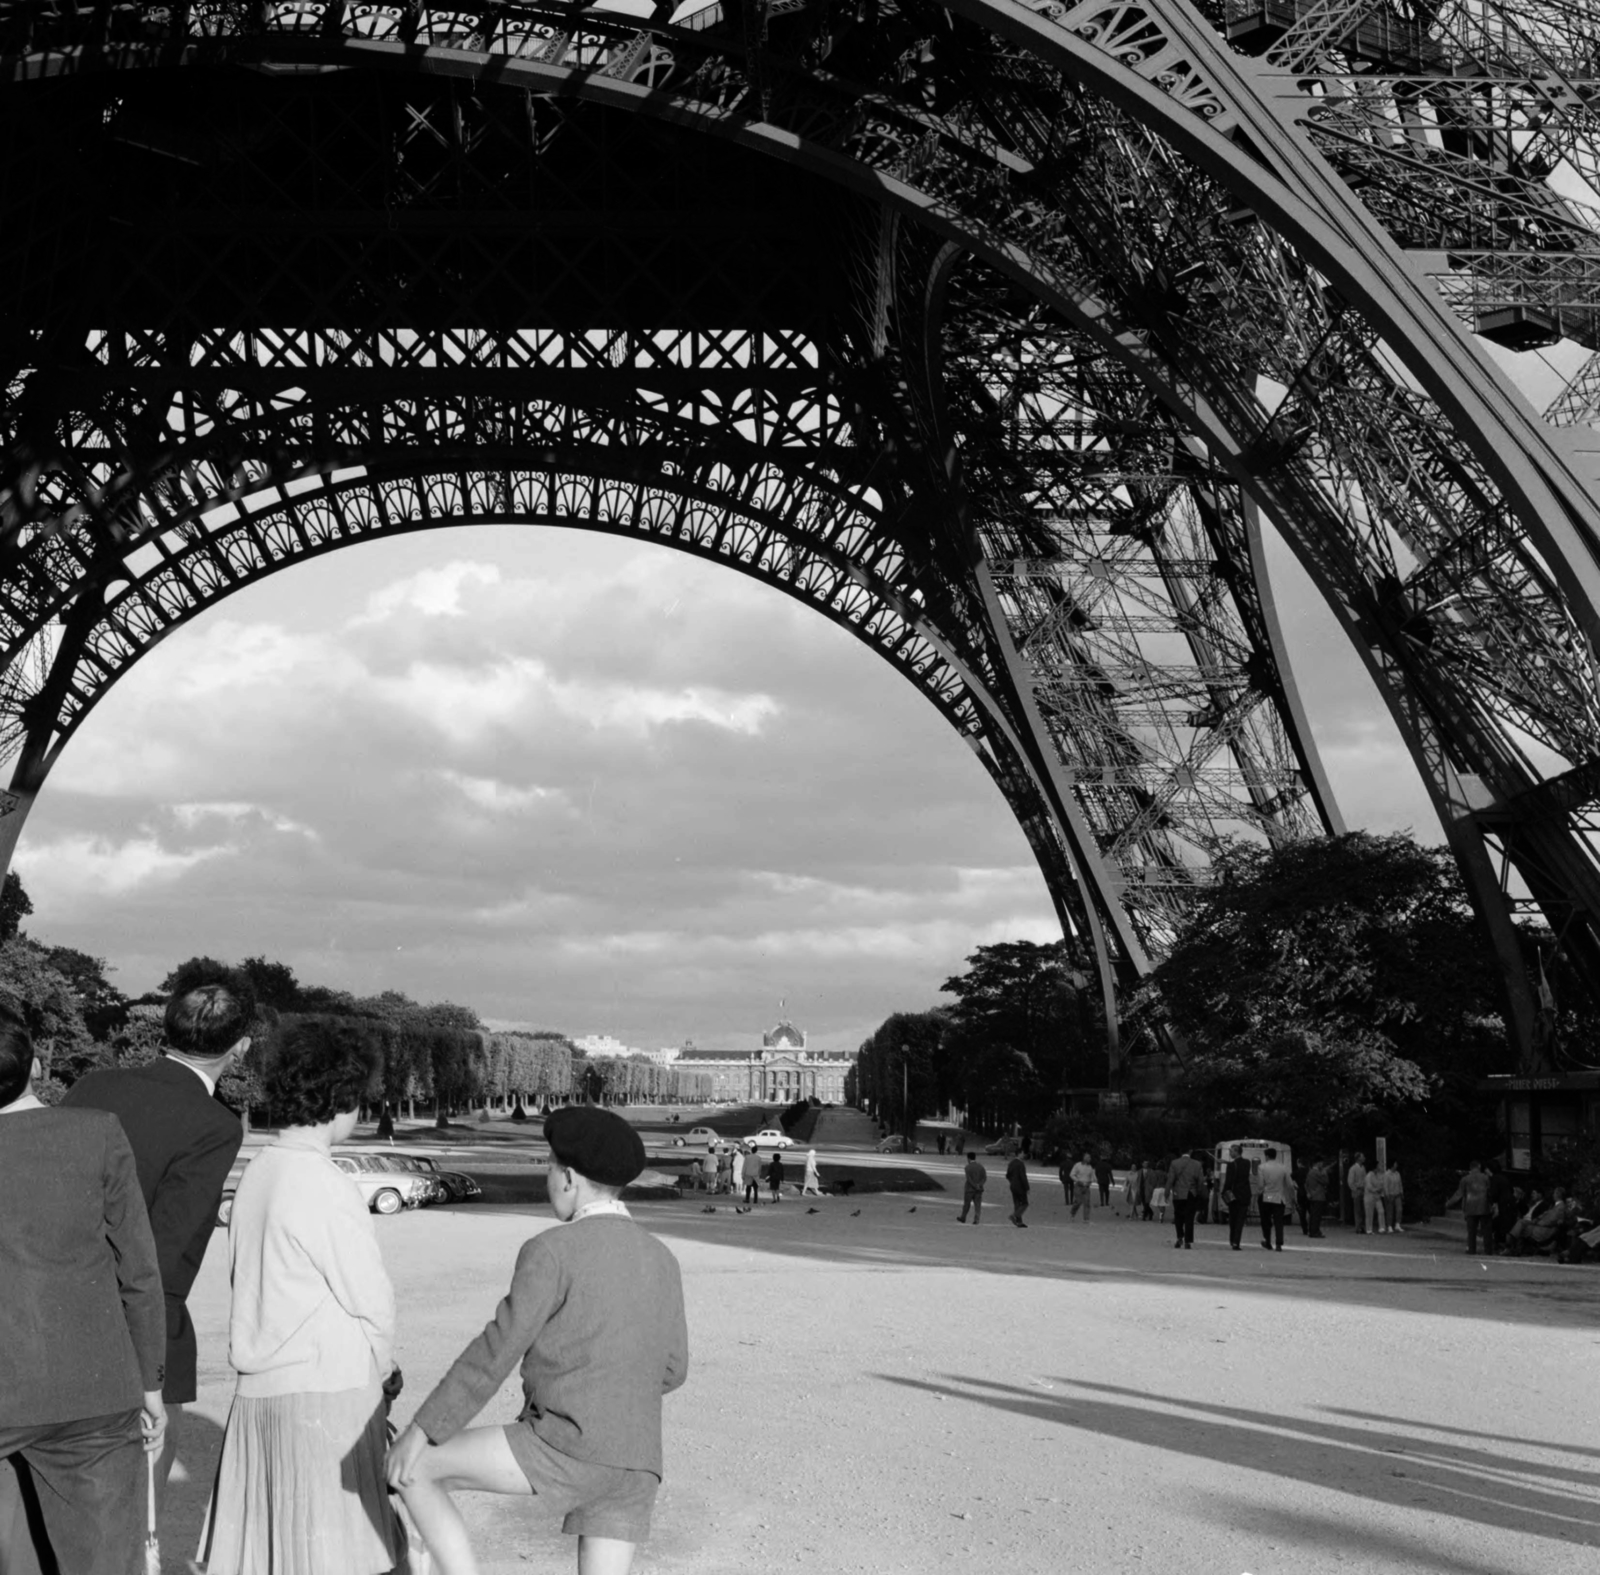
column 771, row 1137
column 387, row 1191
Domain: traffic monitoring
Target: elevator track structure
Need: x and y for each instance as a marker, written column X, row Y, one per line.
column 1003, row 334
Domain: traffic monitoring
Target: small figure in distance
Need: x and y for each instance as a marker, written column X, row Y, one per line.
column 1394, row 1197
column 1236, row 1194
column 1017, row 1180
column 974, row 1177
column 752, row 1176
column 1473, row 1195
column 1277, row 1188
column 1356, row 1180
column 811, row 1185
column 775, row 1175
column 595, row 1317
column 1084, row 1182
column 1317, row 1179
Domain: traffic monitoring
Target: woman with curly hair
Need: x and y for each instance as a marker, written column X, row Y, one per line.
column 300, row 1487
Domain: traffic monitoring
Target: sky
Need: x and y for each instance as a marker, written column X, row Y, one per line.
column 575, row 782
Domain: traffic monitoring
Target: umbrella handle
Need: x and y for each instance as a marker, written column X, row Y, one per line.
column 150, row 1497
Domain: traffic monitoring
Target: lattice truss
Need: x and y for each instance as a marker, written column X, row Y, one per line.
column 1076, row 394
column 1469, row 130
column 1124, row 571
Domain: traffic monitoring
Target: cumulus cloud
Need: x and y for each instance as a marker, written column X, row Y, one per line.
column 67, row 869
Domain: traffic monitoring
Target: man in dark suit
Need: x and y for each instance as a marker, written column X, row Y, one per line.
column 82, row 1329
column 184, row 1142
column 1236, row 1194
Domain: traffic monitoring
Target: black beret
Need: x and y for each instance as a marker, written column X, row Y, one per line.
column 596, row 1143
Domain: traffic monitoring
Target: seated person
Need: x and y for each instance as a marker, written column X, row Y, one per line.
column 1540, row 1228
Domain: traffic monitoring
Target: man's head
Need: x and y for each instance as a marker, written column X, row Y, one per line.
column 1235, row 1152
column 972, row 1153
column 16, row 1057
column 1272, row 1153
column 209, row 1019
column 594, row 1154
column 1475, row 1166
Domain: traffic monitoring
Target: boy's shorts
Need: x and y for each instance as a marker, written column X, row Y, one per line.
column 597, row 1501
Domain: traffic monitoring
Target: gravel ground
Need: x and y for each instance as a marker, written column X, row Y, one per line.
column 876, row 1388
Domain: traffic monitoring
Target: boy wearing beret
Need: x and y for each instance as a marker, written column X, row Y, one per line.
column 595, row 1317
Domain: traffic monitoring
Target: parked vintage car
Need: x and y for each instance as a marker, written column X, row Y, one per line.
column 387, row 1185
column 458, row 1186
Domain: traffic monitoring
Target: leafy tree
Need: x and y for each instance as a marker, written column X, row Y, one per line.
column 274, row 983
column 1330, row 983
column 1025, row 1025
column 104, row 1006
column 44, row 998
column 15, row 906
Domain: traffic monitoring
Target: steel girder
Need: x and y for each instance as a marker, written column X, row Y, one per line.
column 1109, row 288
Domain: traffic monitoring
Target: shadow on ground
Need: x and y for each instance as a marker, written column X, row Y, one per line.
column 1400, row 1463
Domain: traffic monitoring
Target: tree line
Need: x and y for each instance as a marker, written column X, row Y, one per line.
column 436, row 1055
column 1326, row 992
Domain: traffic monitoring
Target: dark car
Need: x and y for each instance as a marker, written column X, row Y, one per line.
column 458, row 1186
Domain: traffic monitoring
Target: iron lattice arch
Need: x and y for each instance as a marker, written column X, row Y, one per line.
column 993, row 331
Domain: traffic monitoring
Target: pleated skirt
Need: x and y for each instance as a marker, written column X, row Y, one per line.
column 300, row 1489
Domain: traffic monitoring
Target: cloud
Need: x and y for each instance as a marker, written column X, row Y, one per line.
column 235, row 813
column 564, row 779
column 74, row 867
column 433, row 593
column 464, row 703
column 500, row 797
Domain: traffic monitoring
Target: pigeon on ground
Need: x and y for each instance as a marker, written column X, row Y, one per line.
column 912, row 1209
column 855, row 1213
column 710, row 1208
column 813, row 1211
column 738, row 1210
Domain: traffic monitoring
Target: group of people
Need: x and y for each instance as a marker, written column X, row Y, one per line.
column 111, row 1202
column 1378, row 1196
column 736, row 1170
column 1512, row 1220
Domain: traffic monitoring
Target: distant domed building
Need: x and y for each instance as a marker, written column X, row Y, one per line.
column 780, row 1072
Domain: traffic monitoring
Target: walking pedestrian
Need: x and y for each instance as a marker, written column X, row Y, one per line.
column 775, row 1176
column 1103, row 1176
column 184, row 1142
column 1084, row 1182
column 1236, row 1194
column 736, row 1171
column 975, row 1177
column 811, row 1183
column 752, row 1176
column 1394, row 1197
column 83, row 1325
column 1317, row 1195
column 1276, row 1191
column 1064, row 1171
column 1356, row 1180
column 300, row 1485
column 1185, row 1180
column 1017, row 1180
